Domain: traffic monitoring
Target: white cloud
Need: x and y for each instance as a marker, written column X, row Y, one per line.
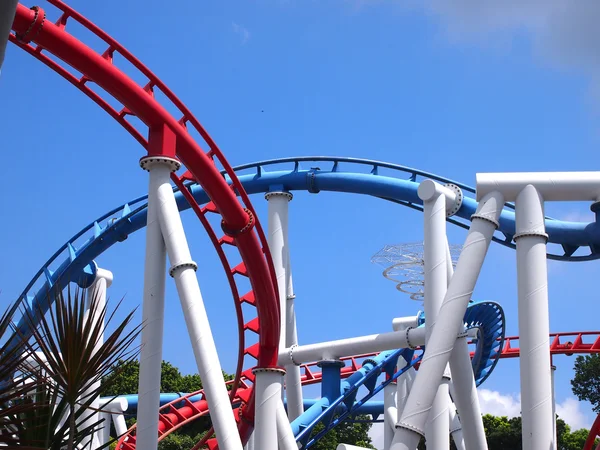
column 564, row 33
column 497, row 404
column 493, row 402
column 241, row 31
column 577, row 216
column 570, row 412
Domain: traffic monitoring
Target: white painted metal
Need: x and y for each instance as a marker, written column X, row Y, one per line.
column 7, row 16
column 463, row 387
column 436, row 281
column 402, row 323
column 534, row 328
column 390, row 414
column 267, row 389
column 277, row 228
column 285, row 435
column 153, row 305
column 302, row 354
column 464, row 394
column 411, row 424
column 293, row 383
column 96, row 293
column 455, row 427
column 183, row 271
column 552, row 186
column 553, row 367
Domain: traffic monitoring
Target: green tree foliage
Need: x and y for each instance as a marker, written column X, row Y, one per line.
column 586, row 383
column 503, row 433
column 348, row 432
column 124, row 379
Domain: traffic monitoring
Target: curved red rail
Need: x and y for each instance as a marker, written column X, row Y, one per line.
column 594, row 433
column 567, row 343
column 168, row 136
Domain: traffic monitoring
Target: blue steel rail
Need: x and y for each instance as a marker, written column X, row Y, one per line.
column 488, row 319
column 343, row 395
column 80, row 251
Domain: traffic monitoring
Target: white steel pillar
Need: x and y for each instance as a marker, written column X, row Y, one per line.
column 553, row 369
column 285, row 436
column 434, row 198
column 293, row 383
column 390, row 414
column 464, row 394
column 96, row 298
column 455, row 427
column 153, row 310
column 449, row 324
column 463, row 387
column 534, row 328
column 183, row 271
column 279, row 247
column 267, row 388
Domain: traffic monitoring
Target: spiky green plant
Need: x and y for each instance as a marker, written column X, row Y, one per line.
column 51, row 408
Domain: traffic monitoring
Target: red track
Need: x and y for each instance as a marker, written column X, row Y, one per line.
column 587, row 342
column 168, row 136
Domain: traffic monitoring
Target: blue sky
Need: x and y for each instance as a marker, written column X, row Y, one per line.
column 435, row 86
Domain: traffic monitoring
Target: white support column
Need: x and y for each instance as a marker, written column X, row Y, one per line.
column 390, row 414
column 534, row 328
column 285, row 436
column 293, row 383
column 434, row 198
column 183, row 271
column 267, row 388
column 463, row 387
column 96, row 294
column 443, row 336
column 153, row 310
column 277, row 230
column 464, row 394
column 553, row 367
column 303, row 354
column 278, row 224
column 455, row 427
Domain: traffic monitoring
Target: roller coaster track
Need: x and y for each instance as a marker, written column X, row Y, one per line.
column 566, row 343
column 167, row 136
column 218, row 188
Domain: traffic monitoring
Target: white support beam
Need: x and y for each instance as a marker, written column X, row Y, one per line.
column 534, row 326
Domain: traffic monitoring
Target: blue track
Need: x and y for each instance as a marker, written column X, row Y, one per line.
column 74, row 261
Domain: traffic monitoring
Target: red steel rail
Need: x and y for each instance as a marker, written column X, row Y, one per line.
column 168, row 136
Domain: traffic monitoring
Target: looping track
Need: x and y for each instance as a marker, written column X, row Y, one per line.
column 167, row 136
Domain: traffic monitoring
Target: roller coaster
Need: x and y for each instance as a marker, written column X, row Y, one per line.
column 427, row 369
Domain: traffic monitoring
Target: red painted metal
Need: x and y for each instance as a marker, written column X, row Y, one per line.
column 40, row 37
column 561, row 344
column 594, row 433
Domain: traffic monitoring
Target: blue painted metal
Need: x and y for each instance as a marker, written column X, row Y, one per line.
column 351, row 411
column 117, row 224
column 345, row 394
column 488, row 318
column 373, row 407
